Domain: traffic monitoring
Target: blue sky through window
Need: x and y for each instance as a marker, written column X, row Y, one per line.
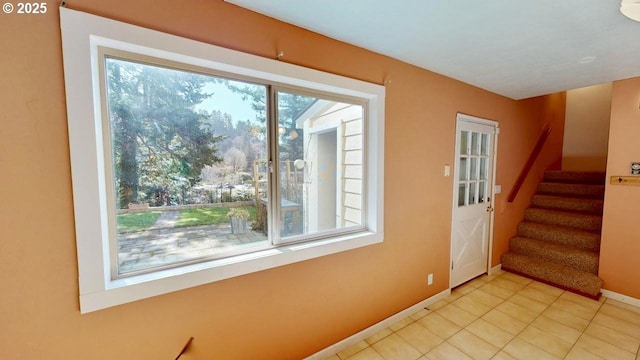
column 228, row 102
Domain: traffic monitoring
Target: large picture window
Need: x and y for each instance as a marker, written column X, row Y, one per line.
column 190, row 169
column 192, row 163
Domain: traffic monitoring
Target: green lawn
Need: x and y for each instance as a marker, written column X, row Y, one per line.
column 137, row 221
column 209, row 216
column 188, row 217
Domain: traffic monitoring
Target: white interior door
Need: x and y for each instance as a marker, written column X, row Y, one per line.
column 473, row 195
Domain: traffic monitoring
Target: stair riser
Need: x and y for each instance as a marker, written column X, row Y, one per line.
column 579, row 260
column 576, row 221
column 568, row 204
column 582, row 241
column 572, row 190
column 553, row 273
column 559, row 241
column 575, row 177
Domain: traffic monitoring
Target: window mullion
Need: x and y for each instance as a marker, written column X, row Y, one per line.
column 273, row 196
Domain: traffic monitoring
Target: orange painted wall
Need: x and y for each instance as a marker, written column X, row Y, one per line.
column 284, row 313
column 517, row 139
column 586, row 137
column 620, row 238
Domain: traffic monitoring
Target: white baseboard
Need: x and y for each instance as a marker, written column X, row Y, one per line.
column 495, row 269
column 376, row 328
column 620, row 297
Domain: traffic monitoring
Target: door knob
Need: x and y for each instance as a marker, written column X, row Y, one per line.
column 489, row 209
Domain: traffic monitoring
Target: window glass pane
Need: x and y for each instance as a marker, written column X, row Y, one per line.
column 474, row 168
column 474, row 143
column 482, row 192
column 321, row 164
column 484, row 145
column 472, row 193
column 484, row 168
column 464, row 144
column 183, row 146
column 463, row 169
column 462, row 194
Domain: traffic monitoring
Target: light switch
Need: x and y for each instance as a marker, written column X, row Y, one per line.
column 447, row 170
column 498, row 189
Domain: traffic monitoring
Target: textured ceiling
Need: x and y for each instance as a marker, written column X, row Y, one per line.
column 515, row 48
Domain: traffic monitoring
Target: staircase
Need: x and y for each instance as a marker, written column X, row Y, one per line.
column 559, row 240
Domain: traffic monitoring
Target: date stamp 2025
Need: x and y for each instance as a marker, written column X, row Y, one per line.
column 25, row 8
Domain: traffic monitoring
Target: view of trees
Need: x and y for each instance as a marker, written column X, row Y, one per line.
column 290, row 106
column 160, row 144
column 243, row 142
column 168, row 147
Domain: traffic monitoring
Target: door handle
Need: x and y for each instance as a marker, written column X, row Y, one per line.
column 489, row 209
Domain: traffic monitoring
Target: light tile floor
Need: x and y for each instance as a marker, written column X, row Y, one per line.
column 505, row 317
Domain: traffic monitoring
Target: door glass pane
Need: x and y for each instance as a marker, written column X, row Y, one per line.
column 463, row 169
column 464, row 144
column 482, row 191
column 321, row 172
column 484, row 145
column 180, row 139
column 475, row 143
column 472, row 193
column 484, row 168
column 462, row 194
column 474, row 168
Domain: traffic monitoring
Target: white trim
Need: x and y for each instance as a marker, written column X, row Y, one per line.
column 461, row 116
column 496, row 127
column 495, row 269
column 621, row 297
column 376, row 328
column 82, row 34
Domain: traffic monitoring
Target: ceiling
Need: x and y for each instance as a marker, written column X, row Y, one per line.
column 518, row 49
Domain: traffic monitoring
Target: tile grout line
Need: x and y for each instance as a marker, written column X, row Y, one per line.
column 478, row 286
column 583, row 331
column 461, row 327
column 529, row 323
column 480, row 317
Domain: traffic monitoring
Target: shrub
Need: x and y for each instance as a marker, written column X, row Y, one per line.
column 238, row 213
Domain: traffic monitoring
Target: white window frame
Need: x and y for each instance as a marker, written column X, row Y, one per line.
column 82, row 34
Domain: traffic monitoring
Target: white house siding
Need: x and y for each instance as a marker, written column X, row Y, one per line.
column 346, row 120
column 352, row 161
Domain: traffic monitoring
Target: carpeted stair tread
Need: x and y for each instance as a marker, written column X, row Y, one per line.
column 571, row 190
column 579, row 239
column 578, row 259
column 579, row 177
column 587, row 222
column 559, row 240
column 593, row 206
column 560, row 275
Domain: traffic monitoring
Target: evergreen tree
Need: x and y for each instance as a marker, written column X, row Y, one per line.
column 290, row 106
column 160, row 143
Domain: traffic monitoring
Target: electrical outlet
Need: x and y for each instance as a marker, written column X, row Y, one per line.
column 430, row 279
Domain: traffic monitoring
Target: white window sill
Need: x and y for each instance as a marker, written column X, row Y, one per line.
column 138, row 287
